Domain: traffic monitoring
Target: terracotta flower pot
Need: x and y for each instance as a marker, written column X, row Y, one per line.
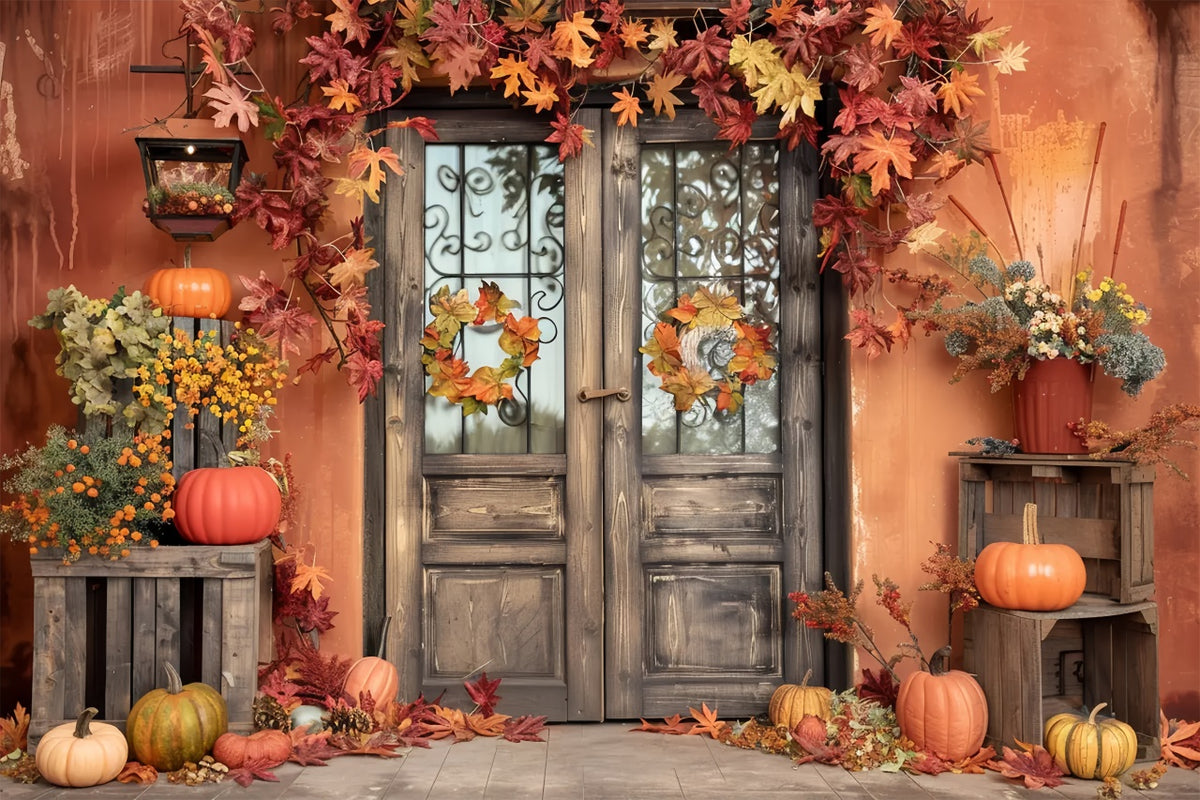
column 1052, row 395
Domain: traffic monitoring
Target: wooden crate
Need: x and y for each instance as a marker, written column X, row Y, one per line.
column 104, row 629
column 1102, row 508
column 1007, row 651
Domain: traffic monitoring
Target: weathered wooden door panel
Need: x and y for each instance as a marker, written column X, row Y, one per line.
column 605, row 557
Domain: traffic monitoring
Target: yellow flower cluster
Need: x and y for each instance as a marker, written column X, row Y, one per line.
column 235, row 383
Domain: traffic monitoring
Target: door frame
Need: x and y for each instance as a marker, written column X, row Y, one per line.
column 825, row 370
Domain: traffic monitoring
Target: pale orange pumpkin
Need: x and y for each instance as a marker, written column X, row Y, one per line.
column 375, row 675
column 190, row 291
column 82, row 753
column 790, row 703
column 269, row 747
column 1029, row 575
column 943, row 711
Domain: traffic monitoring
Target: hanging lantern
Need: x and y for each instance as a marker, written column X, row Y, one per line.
column 192, row 170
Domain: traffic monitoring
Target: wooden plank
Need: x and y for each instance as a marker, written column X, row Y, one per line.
column 73, row 669
column 147, row 672
column 516, row 465
column 730, row 508
column 166, row 624
column 49, row 638
column 443, row 553
column 524, row 507
column 239, row 650
column 404, row 393
column 1091, row 538
column 584, row 529
column 1088, row 606
column 700, row 465
column 118, row 649
column 211, row 621
column 688, row 550
column 623, row 641
column 160, row 562
column 741, row 700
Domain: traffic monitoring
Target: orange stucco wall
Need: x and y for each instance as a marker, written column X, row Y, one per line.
column 71, row 213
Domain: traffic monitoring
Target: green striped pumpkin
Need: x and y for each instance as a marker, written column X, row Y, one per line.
column 167, row 727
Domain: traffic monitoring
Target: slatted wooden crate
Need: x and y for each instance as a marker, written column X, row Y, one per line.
column 1118, row 648
column 1102, row 508
column 104, row 629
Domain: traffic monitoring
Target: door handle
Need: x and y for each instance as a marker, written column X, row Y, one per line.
column 588, row 393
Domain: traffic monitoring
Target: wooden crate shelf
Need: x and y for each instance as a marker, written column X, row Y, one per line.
column 104, row 629
column 1006, row 651
column 1102, row 508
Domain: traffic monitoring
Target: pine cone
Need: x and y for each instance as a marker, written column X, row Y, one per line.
column 344, row 719
column 268, row 713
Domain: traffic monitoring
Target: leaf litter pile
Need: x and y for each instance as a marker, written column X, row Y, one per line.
column 861, row 734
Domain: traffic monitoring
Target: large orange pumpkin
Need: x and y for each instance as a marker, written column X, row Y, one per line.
column 375, row 675
column 943, row 711
column 167, row 727
column 226, row 505
column 190, row 291
column 82, row 753
column 1028, row 575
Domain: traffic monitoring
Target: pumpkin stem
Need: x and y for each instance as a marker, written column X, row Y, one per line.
column 1029, row 529
column 387, row 621
column 187, row 256
column 1095, row 711
column 940, row 663
column 83, row 725
column 174, row 682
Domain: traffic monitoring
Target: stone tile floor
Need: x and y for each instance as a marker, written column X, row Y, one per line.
column 599, row 762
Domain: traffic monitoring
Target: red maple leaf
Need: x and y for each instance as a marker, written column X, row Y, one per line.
column 363, row 373
column 287, row 326
column 857, row 268
column 570, row 136
column 736, row 17
column 251, row 770
column 1035, row 766
column 736, row 128
column 524, row 729
column 702, row 57
column 311, row 750
column 881, row 688
column 716, row 95
column 483, row 693
column 424, row 127
column 329, row 59
column 862, row 66
column 868, row 335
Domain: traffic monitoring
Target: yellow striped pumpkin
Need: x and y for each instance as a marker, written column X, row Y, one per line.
column 1089, row 749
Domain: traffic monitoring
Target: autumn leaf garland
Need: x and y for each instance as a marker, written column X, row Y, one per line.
column 906, row 74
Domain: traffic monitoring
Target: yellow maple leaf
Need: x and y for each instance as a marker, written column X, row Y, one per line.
column 715, row 310
column 660, row 93
column 687, row 386
column 987, row 40
column 526, row 16
column 923, row 237
column 412, row 20
column 340, row 96
column 516, row 73
column 351, row 187
column 755, row 59
column 882, row 26
column 570, row 39
column 957, row 92
column 627, row 108
column 407, row 56
column 662, row 35
column 353, row 268
column 451, row 312
column 542, row 96
column 789, row 91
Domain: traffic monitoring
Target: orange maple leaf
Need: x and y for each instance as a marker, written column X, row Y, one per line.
column 347, row 19
column 728, row 399
column 488, row 387
column 570, row 39
column 957, row 92
column 493, row 304
column 542, row 96
column 661, row 93
column 882, row 26
column 340, row 96
column 521, row 337
column 368, row 163
column 137, row 772
column 449, row 376
column 487, row 726
column 516, row 73
column 633, row 34
column 353, row 268
column 14, row 730
column 880, row 153
column 627, row 108
column 707, row 721
column 663, row 349
column 674, row 725
column 309, row 578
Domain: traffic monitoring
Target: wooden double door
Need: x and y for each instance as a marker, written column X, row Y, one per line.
column 603, row 554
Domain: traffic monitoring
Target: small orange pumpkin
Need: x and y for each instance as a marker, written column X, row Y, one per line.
column 375, row 675
column 190, row 291
column 226, row 505
column 269, row 746
column 943, row 711
column 1029, row 575
column 790, row 703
